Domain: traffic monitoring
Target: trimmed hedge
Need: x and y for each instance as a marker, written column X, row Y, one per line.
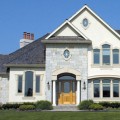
column 10, row 106
column 96, row 106
column 26, row 107
column 84, row 105
column 44, row 105
column 110, row 104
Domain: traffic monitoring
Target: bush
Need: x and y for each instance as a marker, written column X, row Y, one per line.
column 115, row 104
column 29, row 103
column 96, row 106
column 105, row 104
column 44, row 105
column 84, row 105
column 26, row 107
column 0, row 106
column 10, row 106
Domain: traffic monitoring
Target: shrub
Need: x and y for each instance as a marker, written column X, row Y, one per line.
column 44, row 105
column 105, row 104
column 26, row 107
column 0, row 106
column 11, row 106
column 29, row 103
column 84, row 105
column 96, row 106
column 115, row 104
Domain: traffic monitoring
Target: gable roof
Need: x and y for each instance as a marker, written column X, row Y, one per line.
column 71, row 25
column 32, row 53
column 85, row 7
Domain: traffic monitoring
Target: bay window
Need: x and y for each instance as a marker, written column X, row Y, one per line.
column 96, row 88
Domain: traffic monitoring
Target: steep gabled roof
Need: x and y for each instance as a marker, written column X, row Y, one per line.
column 71, row 25
column 85, row 7
column 32, row 53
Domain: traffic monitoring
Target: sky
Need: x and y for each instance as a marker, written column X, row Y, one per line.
column 44, row 16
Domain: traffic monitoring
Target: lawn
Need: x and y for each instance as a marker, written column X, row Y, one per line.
column 14, row 115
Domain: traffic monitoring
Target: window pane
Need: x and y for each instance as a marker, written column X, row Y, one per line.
column 66, row 87
column 106, row 81
column 28, row 83
column 105, row 46
column 96, row 56
column 106, row 91
column 96, row 81
column 96, row 90
column 115, row 90
column 20, row 84
column 115, row 56
column 106, row 56
column 115, row 81
column 37, row 84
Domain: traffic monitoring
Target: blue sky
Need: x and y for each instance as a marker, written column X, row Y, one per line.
column 43, row 16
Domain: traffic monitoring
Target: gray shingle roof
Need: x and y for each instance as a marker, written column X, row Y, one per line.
column 118, row 31
column 32, row 53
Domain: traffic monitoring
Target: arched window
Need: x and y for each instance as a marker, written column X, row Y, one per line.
column 96, row 58
column 106, row 54
column 115, row 56
column 66, row 76
column 28, row 83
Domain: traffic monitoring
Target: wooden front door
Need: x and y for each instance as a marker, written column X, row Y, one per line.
column 66, row 92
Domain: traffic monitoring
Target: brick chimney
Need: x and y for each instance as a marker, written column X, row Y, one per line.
column 27, row 39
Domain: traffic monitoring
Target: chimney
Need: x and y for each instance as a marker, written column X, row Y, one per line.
column 28, row 36
column 27, row 39
column 32, row 36
column 25, row 35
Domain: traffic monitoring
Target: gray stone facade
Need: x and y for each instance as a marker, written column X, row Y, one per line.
column 4, row 90
column 77, row 61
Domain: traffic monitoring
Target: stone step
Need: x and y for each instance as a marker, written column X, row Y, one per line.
column 65, row 108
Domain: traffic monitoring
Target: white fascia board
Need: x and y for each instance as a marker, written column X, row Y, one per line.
column 102, row 21
column 56, row 30
column 67, row 22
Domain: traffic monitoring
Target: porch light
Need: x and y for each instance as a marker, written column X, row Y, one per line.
column 84, row 85
column 48, row 85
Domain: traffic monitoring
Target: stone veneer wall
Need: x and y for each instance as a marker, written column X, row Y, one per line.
column 4, row 90
column 78, row 61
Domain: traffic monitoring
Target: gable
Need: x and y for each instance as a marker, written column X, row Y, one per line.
column 66, row 30
column 97, row 30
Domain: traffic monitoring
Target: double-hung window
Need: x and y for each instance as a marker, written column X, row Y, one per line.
column 96, row 88
column 115, row 56
column 20, row 82
column 96, row 56
column 106, row 54
column 115, row 88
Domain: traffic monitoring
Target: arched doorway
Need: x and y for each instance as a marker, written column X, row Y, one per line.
column 66, row 88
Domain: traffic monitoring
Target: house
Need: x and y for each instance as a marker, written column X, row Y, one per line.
column 79, row 60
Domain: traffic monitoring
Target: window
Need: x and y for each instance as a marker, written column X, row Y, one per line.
column 37, row 84
column 106, row 54
column 85, row 22
column 115, row 56
column 96, row 88
column 106, row 88
column 116, row 88
column 28, row 83
column 96, row 56
column 19, row 84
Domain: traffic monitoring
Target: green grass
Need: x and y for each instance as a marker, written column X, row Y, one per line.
column 14, row 115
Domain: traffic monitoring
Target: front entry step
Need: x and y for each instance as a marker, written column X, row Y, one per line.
column 65, row 108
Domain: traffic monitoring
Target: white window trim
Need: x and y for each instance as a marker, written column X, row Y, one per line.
column 16, row 78
column 111, row 98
